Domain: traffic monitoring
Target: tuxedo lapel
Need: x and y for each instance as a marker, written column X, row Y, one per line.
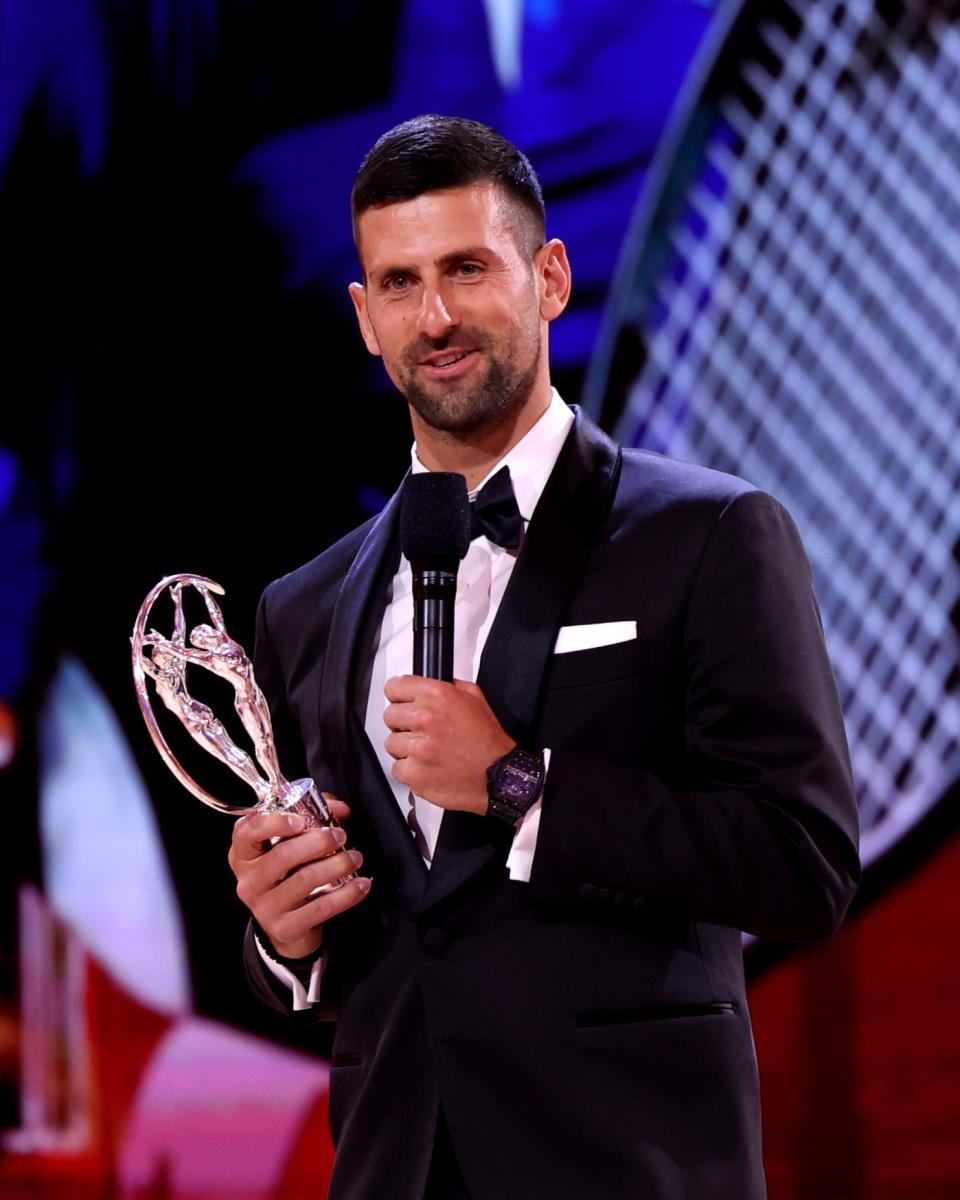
column 343, row 694
column 561, row 534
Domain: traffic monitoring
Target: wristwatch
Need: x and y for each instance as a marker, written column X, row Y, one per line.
column 514, row 784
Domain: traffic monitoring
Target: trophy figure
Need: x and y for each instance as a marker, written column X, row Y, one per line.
column 166, row 659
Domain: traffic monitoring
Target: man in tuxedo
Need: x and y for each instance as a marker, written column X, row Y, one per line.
column 537, row 977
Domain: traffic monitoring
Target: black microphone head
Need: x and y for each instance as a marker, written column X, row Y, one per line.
column 435, row 518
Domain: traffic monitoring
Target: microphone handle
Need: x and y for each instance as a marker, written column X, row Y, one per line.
column 434, row 599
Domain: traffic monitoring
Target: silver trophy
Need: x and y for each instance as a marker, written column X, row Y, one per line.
column 210, row 647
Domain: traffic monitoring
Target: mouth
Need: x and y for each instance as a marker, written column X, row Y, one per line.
column 448, row 363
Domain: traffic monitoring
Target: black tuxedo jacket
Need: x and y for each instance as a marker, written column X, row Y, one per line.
column 587, row 1033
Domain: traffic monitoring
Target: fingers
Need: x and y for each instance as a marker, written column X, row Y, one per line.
column 411, row 717
column 297, row 932
column 292, row 912
column 403, row 774
column 290, row 877
column 416, row 704
column 400, row 745
column 401, row 718
column 281, row 887
column 416, row 774
column 338, row 809
column 443, row 737
column 402, row 689
column 260, row 865
column 300, row 886
column 252, row 834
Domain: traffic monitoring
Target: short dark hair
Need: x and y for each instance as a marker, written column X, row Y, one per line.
column 431, row 152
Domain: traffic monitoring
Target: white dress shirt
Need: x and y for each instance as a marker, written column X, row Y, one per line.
column 481, row 582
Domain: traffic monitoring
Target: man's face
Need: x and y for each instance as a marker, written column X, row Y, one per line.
column 452, row 304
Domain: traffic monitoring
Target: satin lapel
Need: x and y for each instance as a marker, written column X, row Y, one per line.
column 357, row 769
column 563, row 530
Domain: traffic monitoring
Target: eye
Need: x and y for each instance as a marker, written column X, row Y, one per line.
column 396, row 283
column 468, row 269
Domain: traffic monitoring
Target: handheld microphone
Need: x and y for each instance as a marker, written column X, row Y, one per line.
column 434, row 536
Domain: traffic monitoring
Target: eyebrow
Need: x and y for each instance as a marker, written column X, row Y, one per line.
column 445, row 260
column 455, row 256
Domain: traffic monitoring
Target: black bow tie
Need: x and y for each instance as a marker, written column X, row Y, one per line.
column 494, row 513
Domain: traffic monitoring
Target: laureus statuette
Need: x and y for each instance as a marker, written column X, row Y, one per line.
column 209, row 647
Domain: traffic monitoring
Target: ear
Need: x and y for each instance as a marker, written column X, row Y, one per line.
column 358, row 294
column 553, row 272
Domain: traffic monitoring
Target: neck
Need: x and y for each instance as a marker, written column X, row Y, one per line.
column 475, row 453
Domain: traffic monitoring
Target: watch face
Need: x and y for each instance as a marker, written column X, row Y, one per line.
column 519, row 780
column 517, row 785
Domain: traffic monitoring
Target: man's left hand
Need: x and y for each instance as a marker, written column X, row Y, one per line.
column 444, row 738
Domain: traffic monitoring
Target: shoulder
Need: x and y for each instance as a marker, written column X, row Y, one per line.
column 684, row 497
column 664, row 506
column 652, row 484
column 699, row 512
column 313, row 585
column 673, row 482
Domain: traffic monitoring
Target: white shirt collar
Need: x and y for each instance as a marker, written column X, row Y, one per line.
column 531, row 460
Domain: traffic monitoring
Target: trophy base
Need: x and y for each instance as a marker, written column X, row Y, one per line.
column 302, row 798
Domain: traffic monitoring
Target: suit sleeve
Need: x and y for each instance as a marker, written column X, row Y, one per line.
column 758, row 830
column 275, row 994
column 265, row 985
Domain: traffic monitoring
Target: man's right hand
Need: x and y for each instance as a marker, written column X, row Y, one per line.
column 275, row 881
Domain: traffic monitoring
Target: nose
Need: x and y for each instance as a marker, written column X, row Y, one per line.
column 437, row 315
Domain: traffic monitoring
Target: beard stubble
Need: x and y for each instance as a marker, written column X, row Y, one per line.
column 483, row 403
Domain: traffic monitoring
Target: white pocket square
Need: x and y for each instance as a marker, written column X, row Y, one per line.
column 588, row 637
